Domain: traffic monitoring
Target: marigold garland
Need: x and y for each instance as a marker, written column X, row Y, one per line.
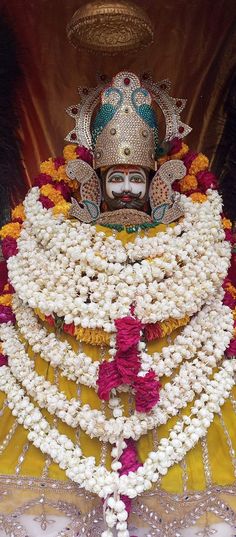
column 10, row 230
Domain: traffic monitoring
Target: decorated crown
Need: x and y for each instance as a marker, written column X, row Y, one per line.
column 118, row 123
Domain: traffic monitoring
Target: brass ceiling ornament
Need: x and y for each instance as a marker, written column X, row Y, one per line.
column 110, row 27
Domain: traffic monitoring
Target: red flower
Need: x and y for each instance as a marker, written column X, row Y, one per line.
column 152, row 331
column 231, row 351
column 229, row 236
column 3, row 360
column 175, row 146
column 3, row 275
column 46, row 202
column 42, row 179
column 229, row 301
column 128, row 332
column 147, row 392
column 189, row 158
column 85, row 154
column 6, row 315
column 206, row 180
column 128, row 364
column 63, row 188
column 108, row 378
column 9, row 247
column 69, row 328
column 50, row 320
column 58, row 161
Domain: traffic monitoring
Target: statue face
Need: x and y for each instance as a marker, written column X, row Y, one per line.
column 125, row 187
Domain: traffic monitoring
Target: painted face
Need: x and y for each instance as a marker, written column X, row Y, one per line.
column 125, row 187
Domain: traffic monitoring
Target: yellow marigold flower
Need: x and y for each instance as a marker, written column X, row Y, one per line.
column 1, row 349
column 234, row 314
column 69, row 152
column 60, row 174
column 189, row 182
column 168, row 326
column 199, row 164
column 51, row 192
column 18, row 212
column 227, row 224
column 5, row 300
column 48, row 167
column 10, row 230
column 62, row 208
column 198, row 197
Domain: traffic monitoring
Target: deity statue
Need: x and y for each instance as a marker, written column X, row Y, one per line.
column 117, row 330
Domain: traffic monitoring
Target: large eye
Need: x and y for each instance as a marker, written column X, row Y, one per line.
column 137, row 179
column 116, row 178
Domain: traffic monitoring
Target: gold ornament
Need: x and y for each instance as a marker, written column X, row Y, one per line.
column 110, row 27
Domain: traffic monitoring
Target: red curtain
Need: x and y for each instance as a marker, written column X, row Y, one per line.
column 194, row 47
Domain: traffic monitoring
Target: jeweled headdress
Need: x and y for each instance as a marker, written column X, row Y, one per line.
column 117, row 121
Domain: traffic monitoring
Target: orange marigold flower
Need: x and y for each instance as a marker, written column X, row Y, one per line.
column 227, row 224
column 18, row 212
column 198, row 197
column 69, row 152
column 60, row 174
column 62, row 208
column 51, row 192
column 189, row 182
column 5, row 300
column 48, row 167
column 199, row 164
column 10, row 230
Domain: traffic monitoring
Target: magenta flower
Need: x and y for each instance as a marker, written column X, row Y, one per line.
column 3, row 275
column 3, row 360
column 189, row 158
column 229, row 301
column 6, row 315
column 85, row 154
column 46, row 202
column 206, row 180
column 63, row 188
column 58, row 161
column 9, row 247
column 128, row 364
column 42, row 179
column 108, row 378
column 231, row 350
column 147, row 392
column 128, row 332
column 175, row 146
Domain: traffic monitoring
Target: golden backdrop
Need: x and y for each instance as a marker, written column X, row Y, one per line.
column 194, row 46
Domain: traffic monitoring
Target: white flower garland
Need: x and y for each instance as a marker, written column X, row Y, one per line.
column 190, row 380
column 80, row 367
column 68, row 274
column 183, row 437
